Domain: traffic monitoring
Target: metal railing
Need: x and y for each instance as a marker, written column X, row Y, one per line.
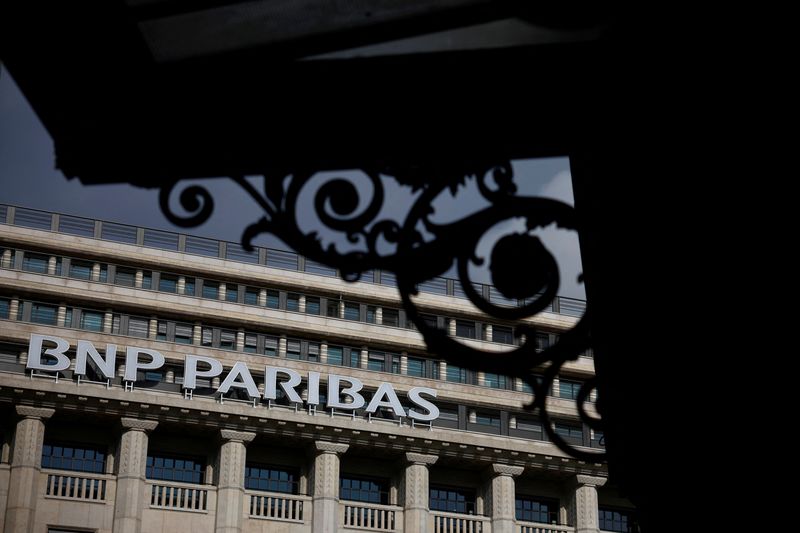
column 536, row 527
column 274, row 506
column 179, row 496
column 231, row 251
column 76, row 486
column 370, row 516
column 442, row 522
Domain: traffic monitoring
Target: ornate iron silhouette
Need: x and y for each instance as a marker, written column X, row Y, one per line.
column 520, row 265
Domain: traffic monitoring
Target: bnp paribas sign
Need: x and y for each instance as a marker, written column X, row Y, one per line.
column 48, row 353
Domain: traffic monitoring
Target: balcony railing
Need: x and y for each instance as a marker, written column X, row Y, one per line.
column 77, row 486
column 180, row 496
column 442, row 522
column 535, row 527
column 268, row 257
column 283, row 507
column 370, row 516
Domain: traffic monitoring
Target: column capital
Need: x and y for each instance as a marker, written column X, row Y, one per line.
column 421, row 458
column 322, row 446
column 594, row 481
column 28, row 411
column 498, row 469
column 237, row 436
column 137, row 424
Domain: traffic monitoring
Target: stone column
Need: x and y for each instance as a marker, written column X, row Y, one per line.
column 282, row 346
column 443, row 370
column 379, row 315
column 95, row 271
column 583, row 503
column 230, row 486
column 5, row 262
column 223, row 291
column 489, row 333
column 240, row 340
column 138, row 278
column 197, row 334
column 13, row 308
column 500, row 497
column 415, row 491
column 325, row 483
column 404, row 363
column 52, row 261
column 181, row 287
column 262, row 297
column 364, row 361
column 26, row 464
column 61, row 316
column 451, row 327
column 152, row 328
column 108, row 321
column 132, row 494
column 323, row 352
column 301, row 304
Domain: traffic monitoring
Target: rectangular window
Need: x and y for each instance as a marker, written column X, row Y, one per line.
column 362, row 489
column 5, row 306
column 452, row 500
column 332, row 309
column 271, row 346
column 189, row 287
column 430, row 320
column 103, row 274
column 138, row 327
column 371, row 314
column 355, row 357
column 175, row 468
column 273, row 299
column 35, row 263
column 542, row 341
column 227, row 339
column 91, row 320
column 495, row 381
column 78, row 457
column 568, row 389
column 466, row 329
column 416, row 367
column 391, row 317
column 147, row 279
column 532, row 509
column 43, row 314
column 272, row 479
column 251, row 296
column 161, row 331
column 184, row 333
column 620, row 520
column 335, row 355
column 293, row 302
column 352, row 311
column 80, row 269
column 569, row 432
column 376, row 361
column 598, row 440
column 210, row 290
column 534, row 426
column 168, row 283
column 456, row 374
column 125, row 277
column 312, row 305
column 502, row 334
column 487, row 419
column 231, row 292
column 250, row 342
column 207, row 337
column 292, row 349
column 313, row 351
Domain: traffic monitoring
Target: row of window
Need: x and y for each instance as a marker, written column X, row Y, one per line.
column 274, row 299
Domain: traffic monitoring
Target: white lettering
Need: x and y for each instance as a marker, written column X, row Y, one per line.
column 105, row 366
column 414, row 397
column 334, row 393
column 271, row 380
column 190, row 372
column 133, row 365
column 386, row 390
column 240, row 370
column 35, row 353
column 313, row 388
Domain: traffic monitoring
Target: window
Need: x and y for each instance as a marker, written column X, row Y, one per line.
column 364, row 490
column 184, row 333
column 597, row 439
column 542, row 341
column 541, row 510
column 5, row 306
column 210, row 290
column 147, row 280
column 569, row 432
column 465, row 328
column 293, row 302
column 207, row 337
column 250, row 342
column 44, row 314
column 232, row 292
column 251, row 296
column 568, row 389
column 80, row 269
column 138, row 327
column 273, row 299
column 175, row 468
column 623, row 521
column 161, row 332
column 487, row 419
column 352, row 311
column 35, row 263
column 103, row 274
column 271, row 346
column 313, row 351
column 452, row 500
column 272, row 479
column 332, row 309
column 430, row 320
column 312, row 305
column 376, row 361
column 456, row 374
column 502, row 334
column 91, row 320
column 335, row 355
column 168, row 283
column 531, row 425
column 293, row 349
column 355, row 357
column 495, row 381
column 391, row 317
column 189, row 287
column 371, row 313
column 416, row 367
column 227, row 339
column 80, row 457
column 125, row 277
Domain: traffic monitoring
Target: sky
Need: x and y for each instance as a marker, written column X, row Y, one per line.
column 28, row 178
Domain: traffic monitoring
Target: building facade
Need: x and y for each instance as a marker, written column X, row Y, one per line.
column 157, row 382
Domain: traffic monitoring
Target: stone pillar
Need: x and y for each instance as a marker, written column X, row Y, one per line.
column 556, row 390
column 323, row 352
column 52, row 261
column 95, row 271
column 240, row 340
column 222, row 292
column 152, row 329
column 301, row 304
column 282, row 346
column 451, row 327
column 62, row 315
column 325, row 486
column 489, row 333
column 443, row 370
column 481, row 378
column 415, row 492
column 364, row 359
column 108, row 321
column 379, row 315
column 500, row 497
column 262, row 297
column 583, row 503
column 197, row 334
column 181, row 288
column 230, row 485
column 341, row 309
column 132, row 494
column 5, row 262
column 26, row 464
column 403, row 363
column 13, row 308
column 138, row 279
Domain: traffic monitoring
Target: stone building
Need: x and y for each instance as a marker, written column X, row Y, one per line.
column 153, row 447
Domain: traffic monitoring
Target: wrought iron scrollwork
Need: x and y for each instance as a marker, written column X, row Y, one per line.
column 520, row 266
